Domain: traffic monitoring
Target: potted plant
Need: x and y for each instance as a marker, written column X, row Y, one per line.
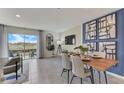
column 83, row 49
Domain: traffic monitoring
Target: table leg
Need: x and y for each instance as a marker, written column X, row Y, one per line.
column 21, row 66
column 99, row 77
column 105, row 77
column 68, row 76
column 81, row 80
column 91, row 69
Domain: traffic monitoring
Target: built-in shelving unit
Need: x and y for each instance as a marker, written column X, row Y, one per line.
column 100, row 35
column 109, row 37
column 91, row 46
column 107, row 27
column 109, row 48
column 91, row 30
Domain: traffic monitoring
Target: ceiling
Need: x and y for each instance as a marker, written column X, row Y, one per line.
column 50, row 19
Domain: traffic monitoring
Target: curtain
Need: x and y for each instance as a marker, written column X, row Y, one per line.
column 1, row 39
column 40, row 45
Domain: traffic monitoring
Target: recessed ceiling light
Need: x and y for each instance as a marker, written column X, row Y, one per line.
column 18, row 16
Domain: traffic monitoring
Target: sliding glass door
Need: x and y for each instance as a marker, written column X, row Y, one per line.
column 30, row 46
column 16, row 44
column 25, row 45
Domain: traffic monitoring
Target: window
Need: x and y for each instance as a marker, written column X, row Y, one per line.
column 24, row 45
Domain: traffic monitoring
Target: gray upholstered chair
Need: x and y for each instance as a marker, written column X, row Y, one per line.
column 13, row 66
column 66, row 64
column 78, row 69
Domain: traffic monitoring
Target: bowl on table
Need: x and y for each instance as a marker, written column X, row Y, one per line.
column 97, row 57
column 86, row 59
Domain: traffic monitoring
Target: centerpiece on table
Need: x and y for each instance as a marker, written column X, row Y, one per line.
column 83, row 50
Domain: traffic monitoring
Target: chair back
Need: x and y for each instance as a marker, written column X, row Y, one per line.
column 11, row 66
column 66, row 63
column 13, row 61
column 77, row 66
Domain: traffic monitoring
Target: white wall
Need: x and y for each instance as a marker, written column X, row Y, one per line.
column 77, row 32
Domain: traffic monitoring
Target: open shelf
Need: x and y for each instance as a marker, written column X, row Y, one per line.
column 100, row 34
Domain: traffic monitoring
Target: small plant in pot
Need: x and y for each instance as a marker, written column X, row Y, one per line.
column 84, row 50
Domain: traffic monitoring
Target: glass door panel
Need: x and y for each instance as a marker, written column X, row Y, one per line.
column 24, row 45
column 30, row 46
column 16, row 45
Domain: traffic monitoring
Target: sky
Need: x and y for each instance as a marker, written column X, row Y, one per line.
column 15, row 38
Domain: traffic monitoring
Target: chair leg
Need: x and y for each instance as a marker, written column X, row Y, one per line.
column 21, row 67
column 16, row 72
column 68, row 77
column 81, row 80
column 91, row 79
column 91, row 69
column 62, row 71
column 105, row 77
column 99, row 77
column 72, row 79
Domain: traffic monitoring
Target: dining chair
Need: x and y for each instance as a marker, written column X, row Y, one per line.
column 12, row 67
column 103, row 55
column 66, row 64
column 78, row 69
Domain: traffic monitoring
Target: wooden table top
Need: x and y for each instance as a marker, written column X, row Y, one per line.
column 101, row 64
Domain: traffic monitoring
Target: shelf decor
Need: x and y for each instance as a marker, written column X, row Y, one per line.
column 91, row 46
column 101, row 35
column 107, row 27
column 91, row 30
column 109, row 48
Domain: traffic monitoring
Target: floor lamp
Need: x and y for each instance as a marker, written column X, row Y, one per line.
column 59, row 49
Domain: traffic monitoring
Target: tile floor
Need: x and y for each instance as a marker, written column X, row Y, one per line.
column 47, row 71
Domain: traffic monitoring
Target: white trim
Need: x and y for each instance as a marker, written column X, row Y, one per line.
column 115, row 75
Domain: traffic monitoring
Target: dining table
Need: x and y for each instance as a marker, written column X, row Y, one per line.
column 99, row 64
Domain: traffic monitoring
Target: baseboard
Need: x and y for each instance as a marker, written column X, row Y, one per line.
column 115, row 75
